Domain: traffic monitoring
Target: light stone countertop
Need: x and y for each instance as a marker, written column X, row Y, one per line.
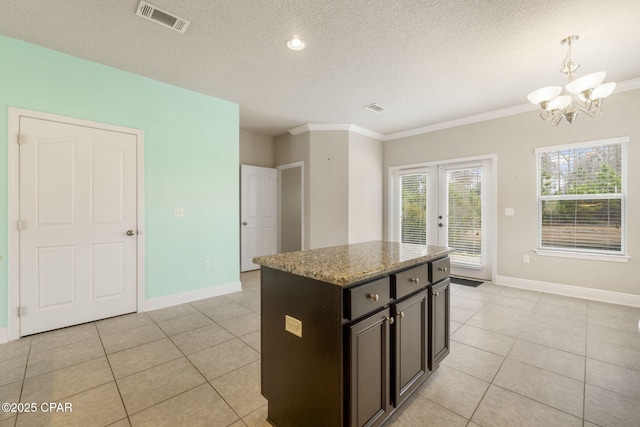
column 349, row 264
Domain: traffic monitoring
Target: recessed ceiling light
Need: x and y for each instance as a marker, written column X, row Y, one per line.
column 295, row 43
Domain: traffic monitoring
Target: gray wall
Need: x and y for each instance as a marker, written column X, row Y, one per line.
column 292, row 149
column 256, row 149
column 290, row 209
column 343, row 185
column 329, row 194
column 513, row 139
column 365, row 188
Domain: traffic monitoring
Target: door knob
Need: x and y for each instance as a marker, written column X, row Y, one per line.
column 244, row 223
column 130, row 233
column 440, row 224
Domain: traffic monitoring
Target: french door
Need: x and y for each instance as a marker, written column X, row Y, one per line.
column 446, row 205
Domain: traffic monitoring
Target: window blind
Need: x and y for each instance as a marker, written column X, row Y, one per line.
column 465, row 215
column 581, row 197
column 413, row 216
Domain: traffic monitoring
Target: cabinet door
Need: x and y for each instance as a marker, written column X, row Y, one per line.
column 439, row 334
column 369, row 369
column 411, row 344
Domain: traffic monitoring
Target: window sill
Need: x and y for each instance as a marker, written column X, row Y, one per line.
column 582, row 255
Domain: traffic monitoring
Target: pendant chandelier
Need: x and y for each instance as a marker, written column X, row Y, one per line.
column 584, row 94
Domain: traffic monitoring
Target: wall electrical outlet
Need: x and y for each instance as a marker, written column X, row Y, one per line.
column 207, row 264
column 178, row 212
column 525, row 259
column 509, row 211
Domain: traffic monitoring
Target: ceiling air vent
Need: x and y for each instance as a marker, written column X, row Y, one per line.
column 162, row 17
column 375, row 107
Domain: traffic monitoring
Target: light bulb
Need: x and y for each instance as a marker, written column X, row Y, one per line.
column 295, row 43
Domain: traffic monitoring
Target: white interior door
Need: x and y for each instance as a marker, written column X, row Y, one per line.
column 78, row 233
column 447, row 205
column 258, row 214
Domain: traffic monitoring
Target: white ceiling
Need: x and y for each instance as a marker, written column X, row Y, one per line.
column 427, row 61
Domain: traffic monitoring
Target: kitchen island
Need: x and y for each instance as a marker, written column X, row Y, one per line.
column 349, row 332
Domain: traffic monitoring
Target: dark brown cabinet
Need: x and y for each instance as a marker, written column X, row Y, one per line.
column 349, row 356
column 369, row 368
column 410, row 342
column 439, row 333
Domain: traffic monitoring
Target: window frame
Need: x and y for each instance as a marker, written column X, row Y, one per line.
column 583, row 253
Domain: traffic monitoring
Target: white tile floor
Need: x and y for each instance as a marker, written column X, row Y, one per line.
column 518, row 358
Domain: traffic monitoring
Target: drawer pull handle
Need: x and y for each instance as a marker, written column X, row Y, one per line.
column 442, row 269
column 400, row 314
column 391, row 320
column 416, row 280
column 373, row 297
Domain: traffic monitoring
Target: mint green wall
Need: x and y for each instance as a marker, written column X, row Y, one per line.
column 191, row 156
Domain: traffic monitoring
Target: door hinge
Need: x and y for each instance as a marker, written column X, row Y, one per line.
column 20, row 140
column 20, row 225
column 22, row 311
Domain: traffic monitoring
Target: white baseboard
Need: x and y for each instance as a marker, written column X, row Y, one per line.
column 4, row 335
column 185, row 297
column 570, row 291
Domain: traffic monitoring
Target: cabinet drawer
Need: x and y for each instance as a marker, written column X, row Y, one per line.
column 439, row 270
column 366, row 298
column 409, row 281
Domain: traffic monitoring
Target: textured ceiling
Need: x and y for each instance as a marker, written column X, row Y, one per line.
column 426, row 61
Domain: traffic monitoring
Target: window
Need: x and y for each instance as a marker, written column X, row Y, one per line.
column 581, row 197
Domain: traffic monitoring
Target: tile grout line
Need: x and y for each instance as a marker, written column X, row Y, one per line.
column 511, row 391
column 206, row 380
column 126, row 411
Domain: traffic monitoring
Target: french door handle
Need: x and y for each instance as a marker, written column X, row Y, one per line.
column 130, row 233
column 440, row 224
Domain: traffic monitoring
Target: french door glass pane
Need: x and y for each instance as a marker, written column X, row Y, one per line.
column 465, row 215
column 413, row 223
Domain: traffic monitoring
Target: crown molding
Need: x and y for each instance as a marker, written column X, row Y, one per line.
column 349, row 128
column 490, row 115
column 624, row 86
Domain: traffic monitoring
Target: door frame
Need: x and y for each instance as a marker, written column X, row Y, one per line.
column 280, row 168
column 13, row 167
column 491, row 211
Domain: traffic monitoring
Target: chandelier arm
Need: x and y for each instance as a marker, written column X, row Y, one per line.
column 583, row 110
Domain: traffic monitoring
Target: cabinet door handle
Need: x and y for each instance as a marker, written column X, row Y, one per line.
column 436, row 293
column 400, row 314
column 416, row 280
column 373, row 297
column 442, row 269
column 391, row 320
